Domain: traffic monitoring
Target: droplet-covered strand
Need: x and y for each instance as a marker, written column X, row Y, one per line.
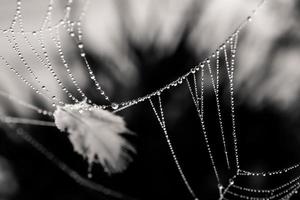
column 161, row 120
column 220, row 120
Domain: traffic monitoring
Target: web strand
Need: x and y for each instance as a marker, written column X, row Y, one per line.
column 26, row 121
column 24, row 104
column 127, row 104
column 161, row 119
column 200, row 112
column 69, row 171
column 216, row 91
column 56, row 38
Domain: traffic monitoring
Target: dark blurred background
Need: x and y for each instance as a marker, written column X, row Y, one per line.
column 135, row 47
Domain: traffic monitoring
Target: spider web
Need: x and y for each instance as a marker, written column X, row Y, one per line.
column 223, row 58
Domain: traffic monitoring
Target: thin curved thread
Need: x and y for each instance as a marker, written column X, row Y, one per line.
column 18, row 120
column 135, row 101
column 22, row 103
column 69, row 171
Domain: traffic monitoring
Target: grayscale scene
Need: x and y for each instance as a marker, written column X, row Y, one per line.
column 149, row 99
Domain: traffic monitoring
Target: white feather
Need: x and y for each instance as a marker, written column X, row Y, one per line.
column 95, row 134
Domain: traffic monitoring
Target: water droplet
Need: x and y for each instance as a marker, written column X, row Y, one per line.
column 68, row 7
column 72, row 34
column 220, row 187
column 114, row 106
column 82, row 54
column 80, row 36
column 80, row 45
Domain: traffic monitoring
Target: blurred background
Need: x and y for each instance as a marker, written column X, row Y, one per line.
column 135, row 47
